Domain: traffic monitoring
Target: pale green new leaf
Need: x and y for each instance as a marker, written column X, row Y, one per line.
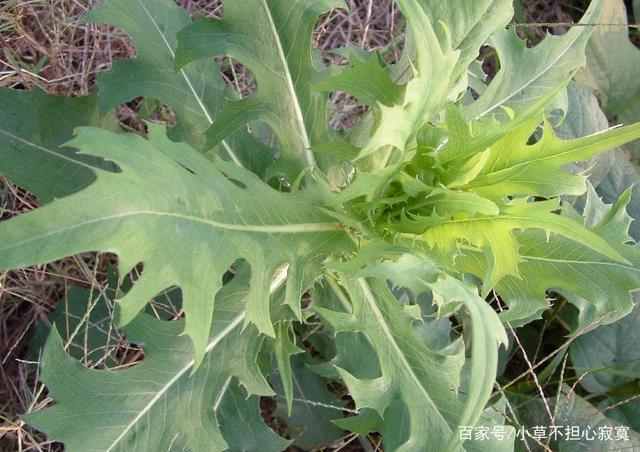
column 273, row 39
column 515, row 168
column 464, row 28
column 467, row 25
column 585, row 117
column 432, row 64
column 194, row 93
column 445, row 204
column 502, row 249
column 599, row 286
column 527, row 75
column 496, row 160
column 366, row 78
column 444, row 37
column 424, row 94
column 158, row 404
column 186, row 219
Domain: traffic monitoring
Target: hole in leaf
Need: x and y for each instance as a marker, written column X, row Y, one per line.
column 548, row 12
column 133, row 276
column 237, row 77
column 187, row 169
column 345, row 111
column 167, row 305
column 235, row 182
column 207, row 8
column 238, row 267
column 133, row 114
column 490, row 62
column 367, row 27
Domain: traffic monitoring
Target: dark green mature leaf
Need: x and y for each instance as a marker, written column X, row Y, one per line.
column 620, row 175
column 194, row 93
column 156, row 404
column 448, row 293
column 622, row 405
column 273, row 39
column 612, row 65
column 608, row 354
column 610, row 173
column 185, row 218
column 284, row 349
column 356, row 356
column 313, row 409
column 84, row 321
column 422, row 379
column 588, row 421
column 33, row 128
column 414, row 377
column 242, row 424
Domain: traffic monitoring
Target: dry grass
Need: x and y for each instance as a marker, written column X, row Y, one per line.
column 42, row 44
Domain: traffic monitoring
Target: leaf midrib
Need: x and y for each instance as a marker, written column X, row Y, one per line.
column 300, row 228
column 368, row 296
column 204, row 109
column 290, row 86
column 529, row 257
column 574, row 150
column 212, row 344
column 48, row 151
column 276, row 283
column 576, row 262
column 550, row 66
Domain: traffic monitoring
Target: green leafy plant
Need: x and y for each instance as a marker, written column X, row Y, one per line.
column 611, row 57
column 453, row 188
